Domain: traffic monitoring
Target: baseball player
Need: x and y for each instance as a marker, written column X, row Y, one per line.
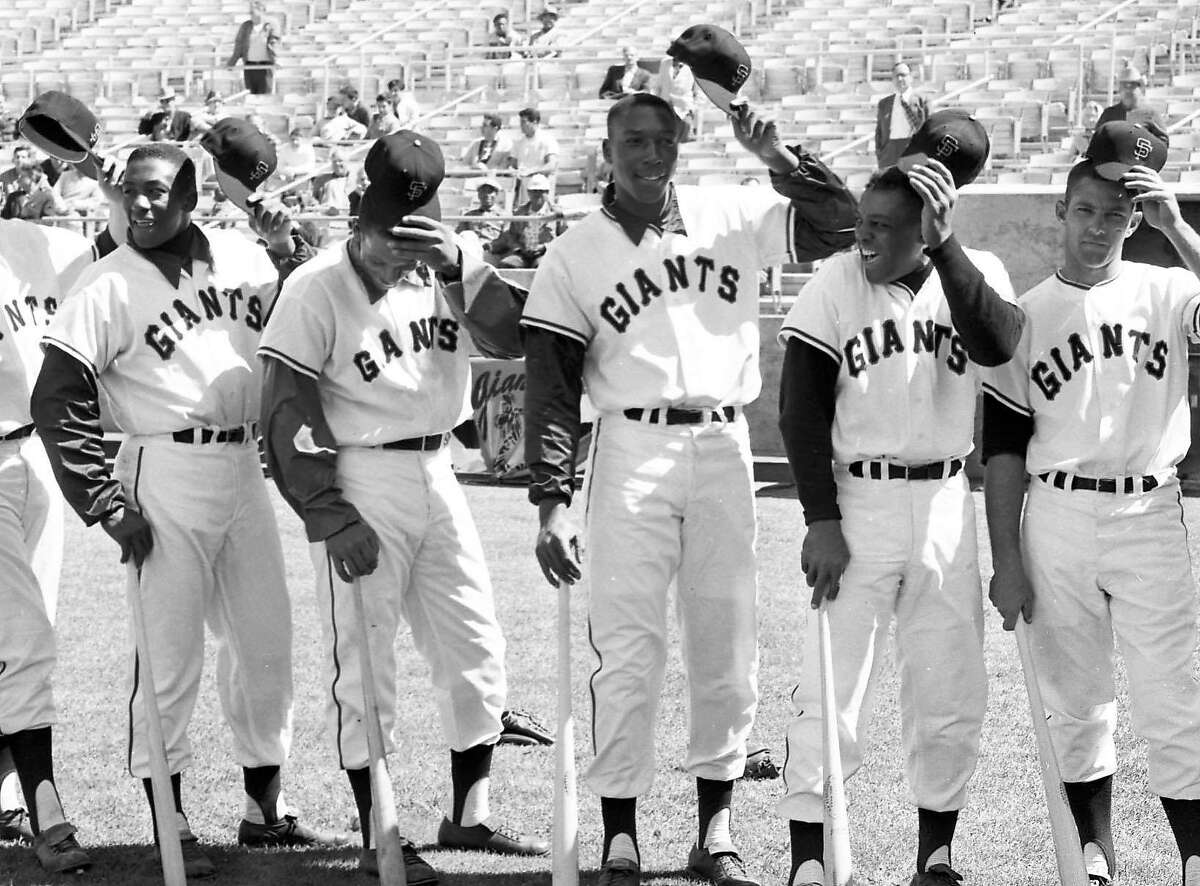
column 37, row 266
column 651, row 303
column 877, row 410
column 367, row 372
column 1094, row 409
column 167, row 325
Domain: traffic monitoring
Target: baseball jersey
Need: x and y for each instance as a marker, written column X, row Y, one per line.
column 386, row 371
column 1103, row 372
column 906, row 388
column 171, row 359
column 38, row 265
column 673, row 320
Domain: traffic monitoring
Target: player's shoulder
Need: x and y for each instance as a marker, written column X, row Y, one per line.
column 319, row 277
column 25, row 239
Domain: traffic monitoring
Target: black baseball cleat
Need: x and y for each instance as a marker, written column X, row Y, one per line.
column 417, row 871
column 14, row 826
column 520, row 728
column 489, row 836
column 937, row 875
column 722, row 869
column 619, row 872
column 58, row 851
column 196, row 864
column 759, row 765
column 286, row 832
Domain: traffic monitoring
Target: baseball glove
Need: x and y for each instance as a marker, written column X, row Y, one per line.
column 759, row 765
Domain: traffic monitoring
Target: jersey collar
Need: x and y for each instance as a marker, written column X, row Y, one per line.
column 177, row 254
column 635, row 226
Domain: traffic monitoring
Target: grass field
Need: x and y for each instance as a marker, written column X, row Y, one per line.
column 1003, row 837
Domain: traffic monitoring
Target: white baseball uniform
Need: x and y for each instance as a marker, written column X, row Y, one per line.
column 38, row 264
column 178, row 364
column 905, row 396
column 669, row 322
column 395, row 370
column 1103, row 373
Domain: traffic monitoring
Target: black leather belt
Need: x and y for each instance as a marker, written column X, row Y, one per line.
column 672, row 416
column 885, row 470
column 208, row 435
column 418, row 444
column 1058, row 479
column 23, row 431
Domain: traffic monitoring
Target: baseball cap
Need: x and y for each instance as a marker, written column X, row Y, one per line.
column 537, row 182
column 62, row 127
column 1130, row 74
column 405, row 170
column 488, row 182
column 548, row 12
column 1118, row 145
column 718, row 61
column 953, row 137
column 244, row 157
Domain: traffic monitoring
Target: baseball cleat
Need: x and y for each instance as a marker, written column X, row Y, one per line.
column 489, row 836
column 759, row 765
column 285, row 832
column 14, row 826
column 722, row 869
column 520, row 728
column 58, row 851
column 619, row 871
column 937, row 875
column 417, row 871
column 1099, row 880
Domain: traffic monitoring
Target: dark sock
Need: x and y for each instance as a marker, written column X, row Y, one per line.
column 934, row 830
column 262, row 785
column 711, row 798
column 808, row 844
column 176, row 793
column 1184, row 816
column 466, row 768
column 619, row 815
column 1091, row 807
column 33, row 759
column 360, row 785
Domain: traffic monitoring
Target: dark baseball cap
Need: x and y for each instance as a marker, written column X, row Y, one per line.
column 952, row 137
column 405, row 170
column 1117, row 146
column 718, row 61
column 244, row 157
column 61, row 126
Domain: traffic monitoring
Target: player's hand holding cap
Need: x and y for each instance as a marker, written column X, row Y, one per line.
column 62, row 127
column 1118, row 146
column 244, row 157
column 954, row 138
column 405, row 170
column 718, row 61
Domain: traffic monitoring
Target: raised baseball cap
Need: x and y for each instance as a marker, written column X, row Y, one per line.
column 244, row 157
column 952, row 137
column 405, row 169
column 62, row 127
column 1118, row 146
column 718, row 61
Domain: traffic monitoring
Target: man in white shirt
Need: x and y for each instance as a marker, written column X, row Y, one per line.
column 898, row 116
column 677, row 85
column 338, row 125
column 534, row 153
column 297, row 157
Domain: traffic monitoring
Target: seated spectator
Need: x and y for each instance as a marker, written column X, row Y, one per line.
column 383, row 121
column 523, row 243
column 214, row 110
column 493, row 147
column 360, row 187
column 53, row 169
column 22, row 159
column 626, row 78
column 8, row 121
column 677, row 85
column 597, row 171
column 535, row 152
column 223, row 214
column 1132, row 105
column 178, row 122
column 337, row 126
column 404, row 106
column 32, row 198
column 355, row 109
column 79, row 193
column 1081, row 136
column 331, row 190
column 158, row 127
column 504, row 42
column 295, row 158
column 477, row 236
column 544, row 43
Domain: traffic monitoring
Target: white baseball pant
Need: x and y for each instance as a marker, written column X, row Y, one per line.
column 912, row 558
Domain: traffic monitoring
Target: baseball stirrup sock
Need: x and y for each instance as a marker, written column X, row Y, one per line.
column 1091, row 807
column 808, row 847
column 32, row 753
column 619, row 815
column 1184, row 816
column 262, row 794
column 713, row 800
column 469, row 772
column 935, row 832
column 360, row 786
column 176, row 793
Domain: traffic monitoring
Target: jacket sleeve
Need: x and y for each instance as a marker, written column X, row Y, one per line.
column 824, row 210
column 880, row 134
column 300, row 451
column 240, row 42
column 989, row 326
column 489, row 307
column 807, row 398
column 553, row 388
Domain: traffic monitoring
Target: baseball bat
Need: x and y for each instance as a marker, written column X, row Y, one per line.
column 566, row 810
column 1067, row 852
column 384, row 823
column 170, row 851
column 838, row 861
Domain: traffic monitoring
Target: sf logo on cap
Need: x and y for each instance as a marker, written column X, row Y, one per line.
column 1142, row 149
column 946, row 146
column 260, row 171
column 416, row 189
column 740, row 75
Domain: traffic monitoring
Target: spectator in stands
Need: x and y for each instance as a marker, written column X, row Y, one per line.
column 22, row 157
column 544, row 43
column 678, row 87
column 355, row 109
column 178, row 122
column 53, row 168
column 625, row 78
column 1080, row 136
column 295, row 158
column 214, row 110
column 158, row 127
column 897, row 117
column 360, row 187
column 523, row 242
column 1132, row 106
column 492, row 149
column 331, row 190
column 404, row 106
column 8, row 121
column 32, row 197
column 477, row 236
column 222, row 213
column 79, row 193
column 504, row 40
column 383, row 121
column 256, row 44
column 337, row 126
column 535, row 152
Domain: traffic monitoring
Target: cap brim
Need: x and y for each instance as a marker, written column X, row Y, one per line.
column 238, row 193
column 48, row 135
column 392, row 219
column 1113, row 171
column 719, row 95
